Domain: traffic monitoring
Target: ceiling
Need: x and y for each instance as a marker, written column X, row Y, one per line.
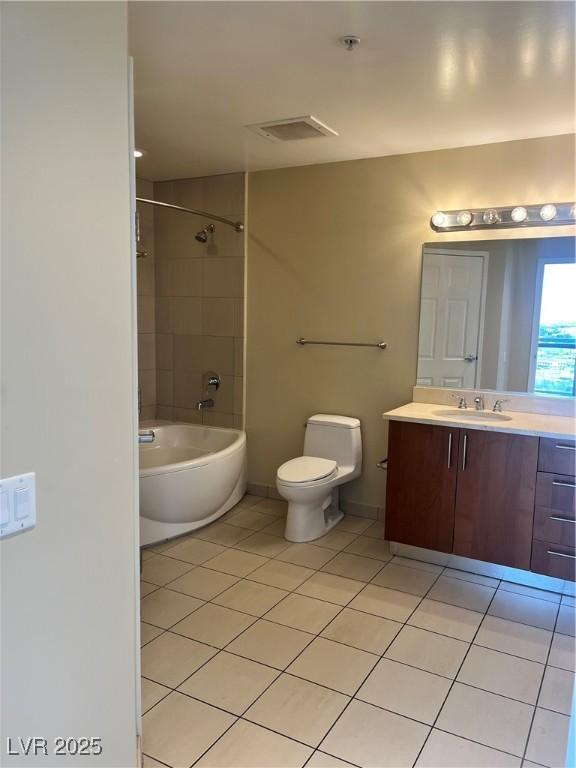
column 427, row 75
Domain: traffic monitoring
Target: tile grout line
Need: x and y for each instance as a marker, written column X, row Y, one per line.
column 283, row 671
column 353, row 697
column 540, row 687
column 246, row 578
column 471, row 644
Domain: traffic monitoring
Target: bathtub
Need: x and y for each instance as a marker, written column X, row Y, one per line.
column 189, row 476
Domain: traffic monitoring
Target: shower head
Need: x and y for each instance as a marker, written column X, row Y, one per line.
column 202, row 236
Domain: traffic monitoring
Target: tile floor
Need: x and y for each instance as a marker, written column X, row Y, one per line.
column 261, row 653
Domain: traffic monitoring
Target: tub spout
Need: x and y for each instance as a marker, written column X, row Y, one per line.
column 201, row 404
column 146, row 436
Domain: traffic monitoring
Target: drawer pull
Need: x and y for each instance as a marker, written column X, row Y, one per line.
column 561, row 554
column 464, row 451
column 562, row 519
column 450, row 450
column 564, row 484
column 565, row 447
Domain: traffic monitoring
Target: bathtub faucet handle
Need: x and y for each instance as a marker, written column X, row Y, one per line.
column 146, row 436
column 201, row 404
column 211, row 381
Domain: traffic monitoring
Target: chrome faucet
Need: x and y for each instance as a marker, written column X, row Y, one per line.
column 497, row 407
column 201, row 404
column 479, row 402
column 461, row 400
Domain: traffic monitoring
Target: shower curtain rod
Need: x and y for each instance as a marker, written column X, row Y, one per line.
column 237, row 225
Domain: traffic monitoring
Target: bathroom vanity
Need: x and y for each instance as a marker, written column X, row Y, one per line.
column 482, row 464
column 499, row 491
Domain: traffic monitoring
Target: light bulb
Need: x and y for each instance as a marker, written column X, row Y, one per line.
column 548, row 212
column 138, row 153
column 490, row 216
column 464, row 218
column 519, row 214
column 439, row 219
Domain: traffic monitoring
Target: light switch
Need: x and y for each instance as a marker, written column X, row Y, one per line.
column 21, row 503
column 4, row 508
column 17, row 504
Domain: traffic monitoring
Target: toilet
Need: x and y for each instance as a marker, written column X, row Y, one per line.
column 310, row 483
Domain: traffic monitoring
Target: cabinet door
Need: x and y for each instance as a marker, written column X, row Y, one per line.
column 495, row 497
column 421, row 485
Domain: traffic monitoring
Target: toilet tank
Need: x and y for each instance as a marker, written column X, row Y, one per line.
column 334, row 437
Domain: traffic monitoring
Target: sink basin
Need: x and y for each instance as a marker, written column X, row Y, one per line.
column 465, row 415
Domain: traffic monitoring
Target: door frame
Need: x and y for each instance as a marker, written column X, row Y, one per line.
column 485, row 256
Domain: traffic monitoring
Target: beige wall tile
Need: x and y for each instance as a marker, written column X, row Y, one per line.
column 163, row 324
column 185, row 315
column 165, row 351
column 199, row 295
column 225, row 194
column 224, row 396
column 146, row 351
column 145, row 279
column 221, row 317
column 164, row 412
column 218, row 354
column 188, row 353
column 223, row 277
column 218, row 419
column 147, row 412
column 147, row 386
column 187, row 415
column 146, row 311
column 179, row 277
column 165, row 387
column 187, row 389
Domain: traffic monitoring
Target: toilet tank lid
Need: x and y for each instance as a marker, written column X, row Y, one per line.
column 328, row 420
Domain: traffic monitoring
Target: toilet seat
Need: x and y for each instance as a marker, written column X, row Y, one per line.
column 306, row 469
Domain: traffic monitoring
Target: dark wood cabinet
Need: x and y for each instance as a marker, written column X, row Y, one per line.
column 495, row 497
column 421, row 484
column 492, row 496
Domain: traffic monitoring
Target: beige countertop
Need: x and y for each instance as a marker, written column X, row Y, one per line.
column 517, row 422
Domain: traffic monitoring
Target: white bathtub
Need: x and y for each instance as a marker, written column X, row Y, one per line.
column 189, row 476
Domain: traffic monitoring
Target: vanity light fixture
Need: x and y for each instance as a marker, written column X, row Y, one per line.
column 491, row 216
column 549, row 214
column 438, row 220
column 464, row 218
column 519, row 214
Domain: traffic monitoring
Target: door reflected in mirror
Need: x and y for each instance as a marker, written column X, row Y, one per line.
column 499, row 314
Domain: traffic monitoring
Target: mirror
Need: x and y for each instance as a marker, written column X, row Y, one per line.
column 499, row 314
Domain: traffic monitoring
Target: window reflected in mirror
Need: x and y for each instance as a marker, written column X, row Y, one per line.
column 499, row 314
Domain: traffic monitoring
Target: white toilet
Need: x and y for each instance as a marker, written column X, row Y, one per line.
column 332, row 456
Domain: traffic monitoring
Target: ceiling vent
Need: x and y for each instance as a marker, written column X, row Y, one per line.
column 292, row 129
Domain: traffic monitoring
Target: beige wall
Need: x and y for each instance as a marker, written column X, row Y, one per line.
column 68, row 586
column 146, row 304
column 334, row 251
column 199, row 301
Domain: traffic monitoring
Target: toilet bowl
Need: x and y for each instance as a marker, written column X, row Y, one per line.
column 310, row 483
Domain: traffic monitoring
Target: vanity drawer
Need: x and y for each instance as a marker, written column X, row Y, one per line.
column 556, row 492
column 553, row 560
column 558, row 456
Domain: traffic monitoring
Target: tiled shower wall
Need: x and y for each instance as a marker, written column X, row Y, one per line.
column 146, row 308
column 199, row 306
